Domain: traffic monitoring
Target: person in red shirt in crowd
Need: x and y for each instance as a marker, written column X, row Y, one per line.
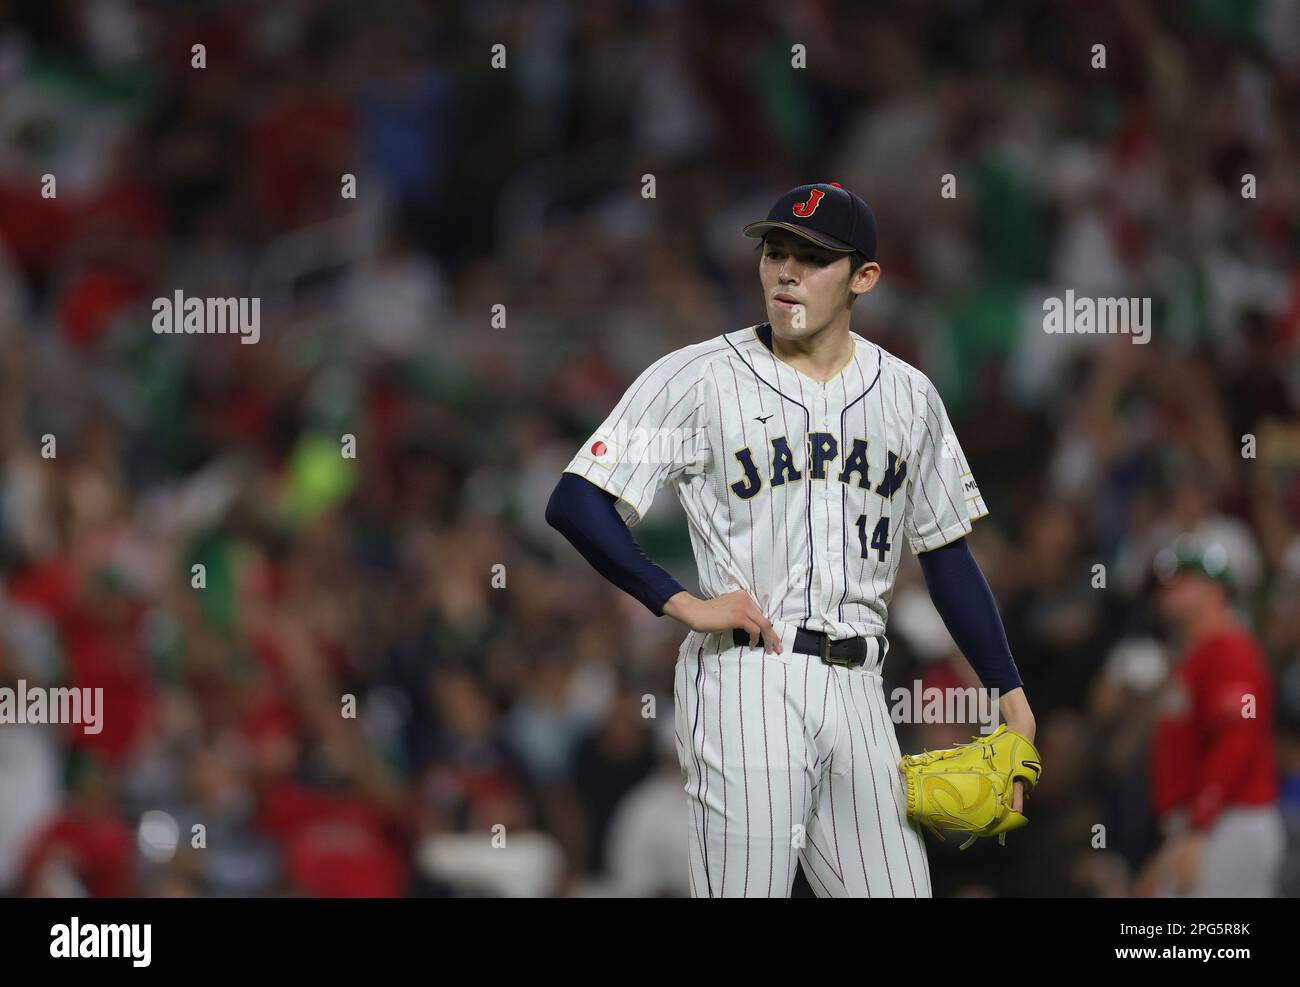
column 1213, row 767
column 88, row 849
column 102, row 624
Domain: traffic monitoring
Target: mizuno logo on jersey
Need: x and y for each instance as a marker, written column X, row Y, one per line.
column 820, row 450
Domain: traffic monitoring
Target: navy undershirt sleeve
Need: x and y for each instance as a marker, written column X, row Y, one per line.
column 585, row 514
column 962, row 596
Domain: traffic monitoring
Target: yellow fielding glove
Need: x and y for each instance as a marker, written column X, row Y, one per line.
column 969, row 788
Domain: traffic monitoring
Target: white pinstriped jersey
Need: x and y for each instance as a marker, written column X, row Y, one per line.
column 797, row 491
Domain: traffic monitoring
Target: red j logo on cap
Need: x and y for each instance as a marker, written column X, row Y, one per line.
column 806, row 209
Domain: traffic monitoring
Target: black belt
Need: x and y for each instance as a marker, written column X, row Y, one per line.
column 849, row 651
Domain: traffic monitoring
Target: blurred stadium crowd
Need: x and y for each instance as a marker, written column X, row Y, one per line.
column 502, row 742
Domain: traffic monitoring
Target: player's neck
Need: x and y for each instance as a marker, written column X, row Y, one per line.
column 1207, row 624
column 821, row 356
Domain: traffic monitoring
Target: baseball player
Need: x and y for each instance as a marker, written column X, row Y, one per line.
column 806, row 458
column 1213, row 764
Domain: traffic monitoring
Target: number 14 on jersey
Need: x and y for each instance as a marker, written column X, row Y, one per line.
column 879, row 537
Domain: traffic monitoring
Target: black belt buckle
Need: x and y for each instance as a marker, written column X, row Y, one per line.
column 826, row 645
column 826, row 654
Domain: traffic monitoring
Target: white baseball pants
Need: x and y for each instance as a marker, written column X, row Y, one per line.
column 788, row 759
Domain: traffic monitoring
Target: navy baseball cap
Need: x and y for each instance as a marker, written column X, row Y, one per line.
column 825, row 213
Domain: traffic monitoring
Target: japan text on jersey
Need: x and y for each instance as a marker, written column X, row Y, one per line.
column 797, row 491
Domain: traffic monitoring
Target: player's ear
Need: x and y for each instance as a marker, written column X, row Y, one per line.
column 865, row 277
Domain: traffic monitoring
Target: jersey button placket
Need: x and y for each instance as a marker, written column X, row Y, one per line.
column 824, row 403
column 822, row 566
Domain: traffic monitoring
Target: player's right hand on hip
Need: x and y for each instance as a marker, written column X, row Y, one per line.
column 729, row 612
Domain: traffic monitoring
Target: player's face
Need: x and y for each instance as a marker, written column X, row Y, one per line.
column 1186, row 595
column 805, row 286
